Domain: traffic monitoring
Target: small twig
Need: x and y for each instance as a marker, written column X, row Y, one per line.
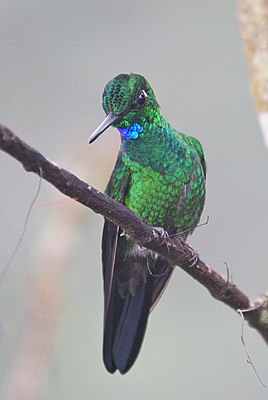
column 188, row 230
column 227, row 275
column 249, row 360
column 16, row 249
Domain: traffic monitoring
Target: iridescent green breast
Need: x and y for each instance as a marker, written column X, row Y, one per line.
column 167, row 180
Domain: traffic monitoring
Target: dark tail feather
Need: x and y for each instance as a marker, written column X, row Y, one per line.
column 110, row 326
column 126, row 318
column 131, row 330
column 131, row 289
column 124, row 332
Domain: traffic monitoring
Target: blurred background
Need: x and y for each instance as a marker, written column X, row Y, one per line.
column 56, row 57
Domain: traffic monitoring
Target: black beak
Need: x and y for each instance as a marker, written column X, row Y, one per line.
column 109, row 120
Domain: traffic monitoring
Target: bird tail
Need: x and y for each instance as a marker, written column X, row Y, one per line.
column 124, row 329
column 126, row 318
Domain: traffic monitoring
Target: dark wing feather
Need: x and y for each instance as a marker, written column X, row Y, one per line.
column 113, row 303
column 162, row 275
column 116, row 188
column 109, row 244
column 197, row 145
column 130, row 288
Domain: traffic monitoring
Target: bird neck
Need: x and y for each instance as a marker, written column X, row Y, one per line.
column 131, row 132
column 153, row 142
column 133, row 125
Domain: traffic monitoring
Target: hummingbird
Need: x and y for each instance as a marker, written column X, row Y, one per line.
column 159, row 174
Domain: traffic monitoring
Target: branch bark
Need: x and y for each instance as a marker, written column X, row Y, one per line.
column 174, row 248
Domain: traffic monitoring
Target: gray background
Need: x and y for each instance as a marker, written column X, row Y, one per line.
column 56, row 57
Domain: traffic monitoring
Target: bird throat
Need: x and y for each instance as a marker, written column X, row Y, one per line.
column 131, row 132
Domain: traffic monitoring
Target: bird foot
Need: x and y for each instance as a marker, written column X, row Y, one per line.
column 141, row 248
column 159, row 231
column 194, row 258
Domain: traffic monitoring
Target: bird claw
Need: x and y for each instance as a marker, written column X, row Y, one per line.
column 141, row 248
column 159, row 231
column 194, row 258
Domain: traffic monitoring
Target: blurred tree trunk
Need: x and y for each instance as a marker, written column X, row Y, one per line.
column 253, row 17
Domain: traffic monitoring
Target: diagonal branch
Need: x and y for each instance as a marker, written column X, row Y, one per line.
column 176, row 249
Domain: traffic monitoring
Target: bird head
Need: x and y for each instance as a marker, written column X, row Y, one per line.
column 127, row 100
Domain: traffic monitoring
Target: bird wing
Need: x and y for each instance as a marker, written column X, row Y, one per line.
column 116, row 188
column 197, row 145
column 131, row 287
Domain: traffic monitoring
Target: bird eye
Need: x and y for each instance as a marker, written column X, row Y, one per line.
column 142, row 98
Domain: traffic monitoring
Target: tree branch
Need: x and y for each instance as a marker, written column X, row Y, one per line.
column 174, row 248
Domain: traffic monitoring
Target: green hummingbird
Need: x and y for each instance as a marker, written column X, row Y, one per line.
column 160, row 174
